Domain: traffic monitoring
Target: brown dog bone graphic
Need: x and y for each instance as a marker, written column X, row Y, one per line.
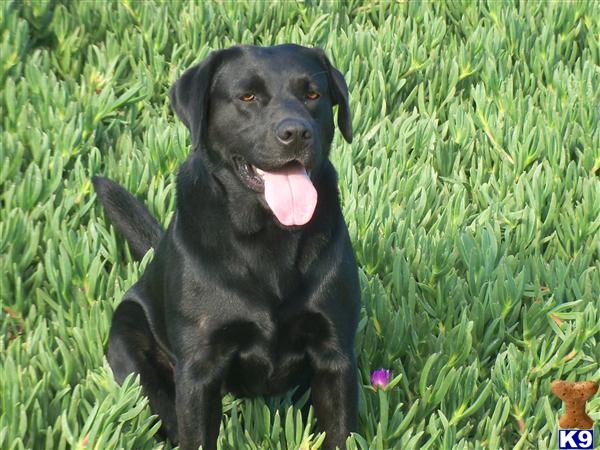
column 574, row 395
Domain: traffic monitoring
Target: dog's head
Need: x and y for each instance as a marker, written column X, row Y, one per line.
column 265, row 114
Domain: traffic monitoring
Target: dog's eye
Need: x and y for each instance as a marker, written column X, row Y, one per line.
column 247, row 97
column 313, row 95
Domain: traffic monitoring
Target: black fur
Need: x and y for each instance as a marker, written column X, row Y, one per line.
column 234, row 300
column 129, row 216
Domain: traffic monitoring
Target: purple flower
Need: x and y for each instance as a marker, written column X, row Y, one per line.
column 381, row 378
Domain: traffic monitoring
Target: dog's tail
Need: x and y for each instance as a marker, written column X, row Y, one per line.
column 129, row 216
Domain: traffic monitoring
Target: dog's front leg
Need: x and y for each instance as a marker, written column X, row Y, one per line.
column 334, row 395
column 198, row 402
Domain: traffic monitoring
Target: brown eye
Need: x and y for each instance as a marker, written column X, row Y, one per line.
column 313, row 95
column 247, row 97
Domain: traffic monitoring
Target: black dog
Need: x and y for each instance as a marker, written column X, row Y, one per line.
column 253, row 288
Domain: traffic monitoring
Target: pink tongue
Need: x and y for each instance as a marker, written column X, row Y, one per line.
column 290, row 194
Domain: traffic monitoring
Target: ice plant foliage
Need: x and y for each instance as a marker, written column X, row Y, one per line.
column 471, row 192
column 380, row 378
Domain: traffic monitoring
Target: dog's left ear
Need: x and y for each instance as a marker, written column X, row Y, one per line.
column 339, row 94
column 189, row 96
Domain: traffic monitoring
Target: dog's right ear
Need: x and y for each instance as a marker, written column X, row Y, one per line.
column 189, row 96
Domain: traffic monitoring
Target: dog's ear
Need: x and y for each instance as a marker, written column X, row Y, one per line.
column 339, row 94
column 189, row 96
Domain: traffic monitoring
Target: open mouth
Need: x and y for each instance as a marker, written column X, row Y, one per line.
column 249, row 174
column 288, row 190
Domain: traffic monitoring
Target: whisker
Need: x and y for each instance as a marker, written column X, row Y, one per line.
column 318, row 73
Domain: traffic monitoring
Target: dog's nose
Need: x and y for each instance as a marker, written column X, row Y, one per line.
column 293, row 131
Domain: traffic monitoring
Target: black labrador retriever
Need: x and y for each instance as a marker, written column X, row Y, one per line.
column 253, row 288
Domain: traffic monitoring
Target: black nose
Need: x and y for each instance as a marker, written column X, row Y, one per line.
column 292, row 131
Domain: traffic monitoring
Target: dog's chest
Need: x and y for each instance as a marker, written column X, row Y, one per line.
column 271, row 267
column 273, row 360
